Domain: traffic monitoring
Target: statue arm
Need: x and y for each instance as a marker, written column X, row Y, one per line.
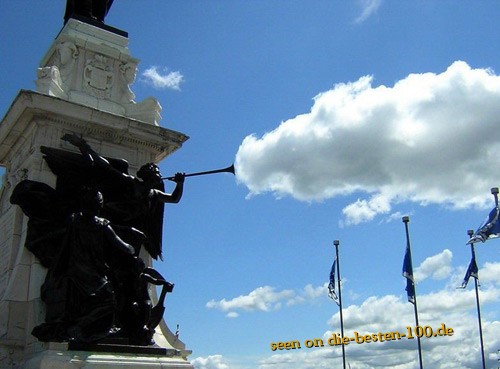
column 85, row 149
column 117, row 242
column 176, row 195
column 95, row 159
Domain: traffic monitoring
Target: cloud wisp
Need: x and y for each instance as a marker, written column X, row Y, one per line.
column 162, row 78
column 261, row 299
column 429, row 139
column 266, row 299
column 369, row 7
column 210, row 362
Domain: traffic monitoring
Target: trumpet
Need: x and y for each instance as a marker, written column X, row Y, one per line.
column 229, row 169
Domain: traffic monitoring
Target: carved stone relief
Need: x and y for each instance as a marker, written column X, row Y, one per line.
column 67, row 54
column 128, row 72
column 98, row 77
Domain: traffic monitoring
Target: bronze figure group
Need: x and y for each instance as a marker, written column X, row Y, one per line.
column 88, row 232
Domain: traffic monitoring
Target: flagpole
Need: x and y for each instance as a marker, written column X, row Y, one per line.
column 336, row 243
column 406, row 220
column 473, row 251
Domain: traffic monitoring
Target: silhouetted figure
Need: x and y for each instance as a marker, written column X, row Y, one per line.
column 91, row 9
column 78, row 291
column 132, row 201
column 89, row 240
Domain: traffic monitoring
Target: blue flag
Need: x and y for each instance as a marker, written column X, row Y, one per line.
column 472, row 271
column 331, row 287
column 408, row 274
column 490, row 228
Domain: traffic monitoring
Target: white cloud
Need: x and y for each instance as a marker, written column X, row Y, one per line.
column 396, row 216
column 369, row 7
column 163, row 79
column 435, row 267
column 266, row 299
column 490, row 273
column 210, row 362
column 430, row 138
column 261, row 299
column 364, row 211
column 308, row 294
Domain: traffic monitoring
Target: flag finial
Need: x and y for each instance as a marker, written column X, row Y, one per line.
column 470, row 232
column 494, row 192
column 336, row 242
column 406, row 219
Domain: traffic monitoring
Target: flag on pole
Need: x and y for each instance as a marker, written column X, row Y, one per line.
column 472, row 271
column 331, row 287
column 491, row 226
column 408, row 274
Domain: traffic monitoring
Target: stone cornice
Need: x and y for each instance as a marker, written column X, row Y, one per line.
column 31, row 107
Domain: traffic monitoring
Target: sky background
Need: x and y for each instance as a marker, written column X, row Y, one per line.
column 341, row 117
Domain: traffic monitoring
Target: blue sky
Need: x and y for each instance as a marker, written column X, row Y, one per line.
column 342, row 116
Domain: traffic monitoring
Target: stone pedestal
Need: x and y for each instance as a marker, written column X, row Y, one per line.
column 93, row 67
column 86, row 95
column 59, row 357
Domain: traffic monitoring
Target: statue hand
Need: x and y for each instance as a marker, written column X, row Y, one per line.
column 179, row 178
column 75, row 140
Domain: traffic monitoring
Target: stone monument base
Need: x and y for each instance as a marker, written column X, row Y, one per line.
column 59, row 356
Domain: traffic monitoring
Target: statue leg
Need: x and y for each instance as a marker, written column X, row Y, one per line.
column 78, row 7
column 100, row 8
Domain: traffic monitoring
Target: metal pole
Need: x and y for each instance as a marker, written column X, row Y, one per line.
column 470, row 233
column 336, row 243
column 406, row 220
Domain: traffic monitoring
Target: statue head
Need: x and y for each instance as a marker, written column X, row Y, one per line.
column 67, row 52
column 91, row 201
column 129, row 71
column 149, row 173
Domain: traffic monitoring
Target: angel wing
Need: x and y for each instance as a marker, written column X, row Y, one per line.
column 47, row 218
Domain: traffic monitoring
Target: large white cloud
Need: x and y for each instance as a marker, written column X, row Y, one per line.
column 430, row 138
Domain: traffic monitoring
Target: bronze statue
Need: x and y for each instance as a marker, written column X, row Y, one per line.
column 95, row 10
column 78, row 291
column 132, row 201
column 88, row 232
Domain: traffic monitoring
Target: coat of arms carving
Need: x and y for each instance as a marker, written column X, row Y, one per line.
column 98, row 77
